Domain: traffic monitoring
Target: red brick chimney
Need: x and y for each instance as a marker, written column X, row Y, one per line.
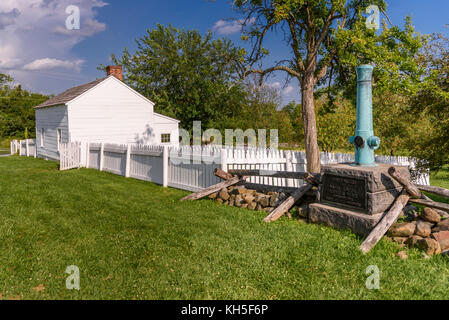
column 115, row 71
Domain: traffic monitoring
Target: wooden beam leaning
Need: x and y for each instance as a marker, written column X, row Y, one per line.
column 408, row 185
column 431, row 204
column 385, row 223
column 288, row 203
column 222, row 174
column 435, row 190
column 413, row 190
column 208, row 191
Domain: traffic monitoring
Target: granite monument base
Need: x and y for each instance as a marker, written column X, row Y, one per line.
column 355, row 198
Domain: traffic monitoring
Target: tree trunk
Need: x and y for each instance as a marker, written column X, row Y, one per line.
column 309, row 121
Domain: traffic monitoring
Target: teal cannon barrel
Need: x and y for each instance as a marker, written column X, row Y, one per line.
column 364, row 140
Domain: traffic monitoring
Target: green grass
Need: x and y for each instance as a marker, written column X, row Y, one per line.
column 135, row 240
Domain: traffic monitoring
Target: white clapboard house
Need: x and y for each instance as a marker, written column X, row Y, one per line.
column 105, row 110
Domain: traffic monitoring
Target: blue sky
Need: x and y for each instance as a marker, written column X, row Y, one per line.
column 38, row 51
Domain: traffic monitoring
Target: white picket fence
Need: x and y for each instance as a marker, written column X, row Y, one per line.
column 70, row 156
column 191, row 168
column 24, row 147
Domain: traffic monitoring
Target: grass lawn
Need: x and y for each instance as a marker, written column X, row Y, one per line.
column 135, row 240
column 4, row 151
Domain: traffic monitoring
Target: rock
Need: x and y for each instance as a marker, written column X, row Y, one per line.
column 303, row 211
column 301, row 220
column 231, row 201
column 273, row 200
column 248, row 198
column 252, row 205
column 402, row 255
column 268, row 209
column 224, row 194
column 213, row 196
column 238, row 201
column 429, row 246
column 265, row 201
column 400, row 240
column 259, row 207
column 219, row 200
column 239, row 190
column 423, row 229
column 409, row 210
column 411, row 213
column 282, row 196
column 445, row 253
column 411, row 242
column 258, row 196
column 430, row 215
column 442, row 225
column 244, row 205
column 443, row 239
column 404, row 229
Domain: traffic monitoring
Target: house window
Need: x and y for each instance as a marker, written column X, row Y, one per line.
column 165, row 138
column 59, row 137
column 42, row 137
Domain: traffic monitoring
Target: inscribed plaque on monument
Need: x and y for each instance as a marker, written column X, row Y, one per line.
column 347, row 191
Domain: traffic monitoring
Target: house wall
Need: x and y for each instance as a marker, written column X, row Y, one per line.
column 164, row 125
column 51, row 119
column 112, row 113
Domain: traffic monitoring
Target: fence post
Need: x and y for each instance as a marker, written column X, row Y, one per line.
column 224, row 160
column 101, row 156
column 165, row 167
column 27, row 149
column 87, row 154
column 289, row 167
column 128, row 161
column 35, row 148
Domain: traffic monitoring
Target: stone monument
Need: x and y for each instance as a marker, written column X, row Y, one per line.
column 356, row 195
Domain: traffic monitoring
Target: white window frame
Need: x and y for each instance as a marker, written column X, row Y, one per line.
column 162, row 138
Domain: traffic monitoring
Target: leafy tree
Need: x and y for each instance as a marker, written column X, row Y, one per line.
column 260, row 111
column 326, row 40
column 335, row 126
column 432, row 102
column 293, row 110
column 189, row 76
column 16, row 109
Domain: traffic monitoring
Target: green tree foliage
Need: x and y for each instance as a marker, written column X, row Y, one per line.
column 432, row 102
column 335, row 126
column 261, row 111
column 293, row 111
column 188, row 76
column 16, row 109
column 327, row 40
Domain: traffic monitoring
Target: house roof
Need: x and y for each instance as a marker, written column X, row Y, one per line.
column 70, row 94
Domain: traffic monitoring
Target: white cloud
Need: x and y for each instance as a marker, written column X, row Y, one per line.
column 48, row 63
column 224, row 27
column 288, row 90
column 274, row 85
column 33, row 36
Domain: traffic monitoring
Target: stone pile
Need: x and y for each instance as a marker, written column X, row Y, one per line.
column 425, row 231
column 239, row 196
